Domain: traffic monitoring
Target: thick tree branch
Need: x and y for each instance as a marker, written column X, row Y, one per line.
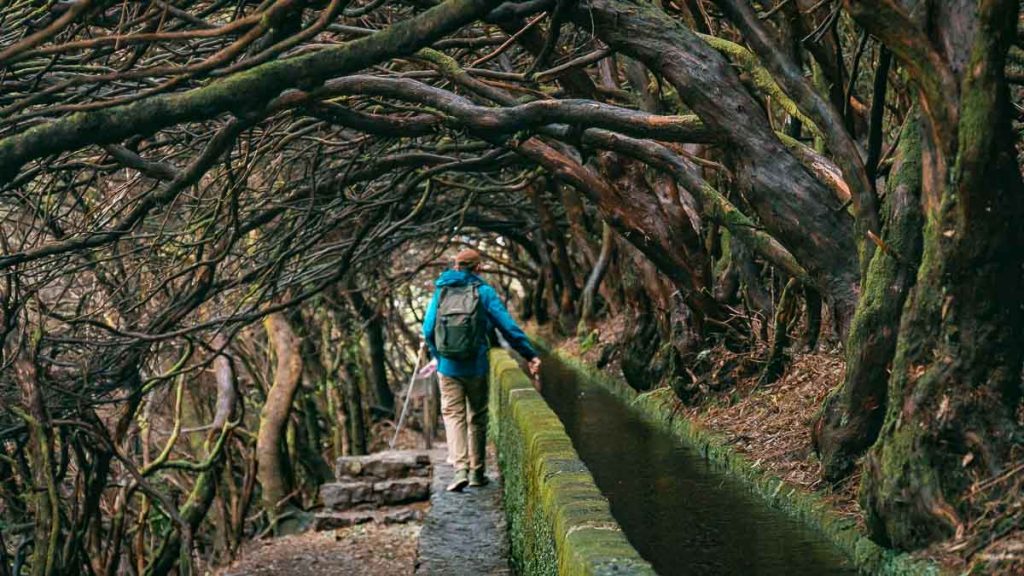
column 509, row 120
column 827, row 118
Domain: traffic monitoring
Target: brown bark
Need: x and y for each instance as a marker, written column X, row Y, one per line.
column 785, row 310
column 546, row 298
column 560, row 258
column 578, row 224
column 828, row 119
column 274, row 467
column 588, row 302
column 652, row 218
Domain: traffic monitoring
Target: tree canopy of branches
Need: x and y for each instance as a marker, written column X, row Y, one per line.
column 205, row 204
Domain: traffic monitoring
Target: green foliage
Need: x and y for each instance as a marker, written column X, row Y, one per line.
column 589, row 341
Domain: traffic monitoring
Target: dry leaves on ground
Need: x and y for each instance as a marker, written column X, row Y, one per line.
column 364, row 550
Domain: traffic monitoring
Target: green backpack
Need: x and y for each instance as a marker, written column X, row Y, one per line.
column 459, row 330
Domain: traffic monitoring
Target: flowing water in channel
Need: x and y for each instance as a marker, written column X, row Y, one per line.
column 678, row 511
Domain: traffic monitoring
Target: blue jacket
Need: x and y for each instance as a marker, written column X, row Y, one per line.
column 497, row 317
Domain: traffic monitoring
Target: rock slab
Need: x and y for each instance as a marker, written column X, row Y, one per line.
column 339, row 496
column 396, row 515
column 388, row 465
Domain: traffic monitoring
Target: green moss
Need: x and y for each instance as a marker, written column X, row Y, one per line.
column 589, row 341
column 761, row 78
column 558, row 521
column 848, row 428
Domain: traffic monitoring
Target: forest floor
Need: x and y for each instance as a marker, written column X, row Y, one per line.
column 362, row 550
column 460, row 534
column 770, row 424
column 369, row 549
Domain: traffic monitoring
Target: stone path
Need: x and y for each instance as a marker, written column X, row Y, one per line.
column 464, row 533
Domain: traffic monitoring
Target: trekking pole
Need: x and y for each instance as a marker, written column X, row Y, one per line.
column 408, row 395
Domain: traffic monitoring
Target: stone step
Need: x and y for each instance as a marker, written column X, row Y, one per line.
column 395, row 515
column 368, row 493
column 391, row 464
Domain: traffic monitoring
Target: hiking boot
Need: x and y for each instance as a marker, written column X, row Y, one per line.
column 478, row 478
column 460, row 481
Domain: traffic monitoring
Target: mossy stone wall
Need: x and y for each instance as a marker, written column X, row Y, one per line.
column 558, row 521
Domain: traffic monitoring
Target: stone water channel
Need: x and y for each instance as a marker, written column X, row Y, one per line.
column 681, row 514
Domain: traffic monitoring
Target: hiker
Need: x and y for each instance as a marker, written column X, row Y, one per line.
column 462, row 314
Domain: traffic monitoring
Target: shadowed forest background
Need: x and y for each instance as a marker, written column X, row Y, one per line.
column 220, row 221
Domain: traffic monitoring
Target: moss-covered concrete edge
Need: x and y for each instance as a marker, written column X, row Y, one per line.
column 658, row 408
column 558, row 520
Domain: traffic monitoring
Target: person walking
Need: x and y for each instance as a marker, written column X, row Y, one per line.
column 462, row 314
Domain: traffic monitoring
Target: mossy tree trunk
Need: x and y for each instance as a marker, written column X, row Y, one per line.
column 851, row 417
column 955, row 383
column 44, row 498
column 785, row 312
column 353, row 396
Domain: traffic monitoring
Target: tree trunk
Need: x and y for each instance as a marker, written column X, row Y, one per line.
column 757, row 298
column 570, row 292
column 176, row 548
column 375, row 344
column 578, row 224
column 812, row 300
column 588, row 305
column 354, row 408
column 653, row 220
column 308, row 441
column 852, row 414
column 539, row 300
column 956, row 378
column 784, row 312
column 340, row 438
column 274, row 468
column 561, row 265
column 44, row 497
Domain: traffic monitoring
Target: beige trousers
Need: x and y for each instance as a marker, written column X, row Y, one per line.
column 464, row 408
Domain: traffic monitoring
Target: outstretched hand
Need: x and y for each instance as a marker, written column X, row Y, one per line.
column 534, row 366
column 535, row 371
